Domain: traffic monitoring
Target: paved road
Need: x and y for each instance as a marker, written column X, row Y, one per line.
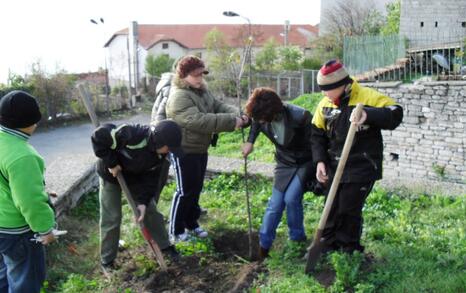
column 71, row 140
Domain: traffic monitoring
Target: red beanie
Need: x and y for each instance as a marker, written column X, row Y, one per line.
column 332, row 75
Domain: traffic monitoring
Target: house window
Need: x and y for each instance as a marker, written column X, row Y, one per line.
column 436, row 24
column 463, row 24
column 422, row 24
column 199, row 54
column 164, row 45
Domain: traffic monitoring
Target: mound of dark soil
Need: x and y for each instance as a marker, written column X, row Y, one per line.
column 227, row 270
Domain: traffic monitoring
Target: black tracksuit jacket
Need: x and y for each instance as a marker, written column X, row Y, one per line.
column 131, row 147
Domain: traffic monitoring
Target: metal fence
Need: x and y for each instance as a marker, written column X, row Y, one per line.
column 428, row 57
column 288, row 84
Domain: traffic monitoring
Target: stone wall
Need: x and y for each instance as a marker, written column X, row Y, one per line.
column 428, row 149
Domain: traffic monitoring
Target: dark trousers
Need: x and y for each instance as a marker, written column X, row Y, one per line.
column 22, row 263
column 185, row 210
column 344, row 224
column 110, row 221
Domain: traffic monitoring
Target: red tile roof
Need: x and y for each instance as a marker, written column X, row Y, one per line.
column 192, row 36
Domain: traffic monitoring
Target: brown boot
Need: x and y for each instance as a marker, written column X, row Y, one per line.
column 263, row 253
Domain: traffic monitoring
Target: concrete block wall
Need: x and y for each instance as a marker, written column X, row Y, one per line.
column 442, row 21
column 430, row 144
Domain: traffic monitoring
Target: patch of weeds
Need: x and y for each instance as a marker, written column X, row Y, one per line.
column 88, row 207
column 78, row 283
column 225, row 199
column 145, row 265
column 294, row 250
column 77, row 252
column 196, row 246
column 347, row 269
column 439, row 170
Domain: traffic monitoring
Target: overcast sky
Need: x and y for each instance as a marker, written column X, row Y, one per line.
column 60, row 34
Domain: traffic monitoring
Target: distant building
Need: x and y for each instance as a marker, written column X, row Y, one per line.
column 326, row 5
column 179, row 40
column 429, row 22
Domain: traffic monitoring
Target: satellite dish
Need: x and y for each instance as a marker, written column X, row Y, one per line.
column 441, row 61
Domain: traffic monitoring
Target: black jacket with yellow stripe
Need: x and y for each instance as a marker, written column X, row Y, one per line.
column 133, row 148
column 331, row 124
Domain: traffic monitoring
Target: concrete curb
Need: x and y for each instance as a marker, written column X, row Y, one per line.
column 70, row 177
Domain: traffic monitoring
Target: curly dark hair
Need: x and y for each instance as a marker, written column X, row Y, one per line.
column 263, row 104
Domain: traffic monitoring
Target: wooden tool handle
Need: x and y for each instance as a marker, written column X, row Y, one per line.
column 340, row 168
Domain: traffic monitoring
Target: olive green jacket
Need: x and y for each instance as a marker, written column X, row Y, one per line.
column 199, row 115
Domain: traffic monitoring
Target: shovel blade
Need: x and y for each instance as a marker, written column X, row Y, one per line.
column 313, row 253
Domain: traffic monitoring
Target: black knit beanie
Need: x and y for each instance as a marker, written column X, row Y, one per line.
column 167, row 133
column 19, row 109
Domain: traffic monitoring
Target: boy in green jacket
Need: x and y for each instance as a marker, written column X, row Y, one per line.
column 24, row 208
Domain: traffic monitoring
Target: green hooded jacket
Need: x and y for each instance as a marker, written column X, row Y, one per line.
column 23, row 200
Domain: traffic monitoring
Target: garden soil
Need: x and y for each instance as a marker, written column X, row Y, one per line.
column 227, row 270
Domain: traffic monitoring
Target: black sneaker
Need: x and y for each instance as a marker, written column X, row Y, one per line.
column 171, row 253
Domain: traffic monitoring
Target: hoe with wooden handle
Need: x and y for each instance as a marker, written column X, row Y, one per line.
column 121, row 180
column 315, row 250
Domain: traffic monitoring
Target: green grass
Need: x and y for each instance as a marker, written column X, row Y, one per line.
column 417, row 242
column 72, row 262
column 229, row 143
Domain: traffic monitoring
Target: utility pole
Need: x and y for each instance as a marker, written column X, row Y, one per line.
column 286, row 31
column 129, row 72
column 134, row 43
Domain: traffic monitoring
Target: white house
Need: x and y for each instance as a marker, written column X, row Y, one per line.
column 179, row 40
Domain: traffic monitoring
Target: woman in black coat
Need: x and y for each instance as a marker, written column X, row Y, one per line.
column 288, row 127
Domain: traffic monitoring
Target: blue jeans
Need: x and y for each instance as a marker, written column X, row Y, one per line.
column 22, row 263
column 292, row 199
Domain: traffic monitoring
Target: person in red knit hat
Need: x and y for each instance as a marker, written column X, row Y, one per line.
column 330, row 123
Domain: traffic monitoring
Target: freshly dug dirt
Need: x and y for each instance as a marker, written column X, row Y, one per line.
column 228, row 270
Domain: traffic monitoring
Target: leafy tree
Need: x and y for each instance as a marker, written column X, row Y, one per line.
column 290, row 58
column 267, row 57
column 311, row 63
column 372, row 23
column 15, row 82
column 156, row 65
column 52, row 90
column 224, row 63
column 392, row 25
